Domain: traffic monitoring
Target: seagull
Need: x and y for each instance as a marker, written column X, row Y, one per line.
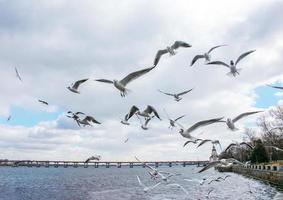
column 126, row 140
column 146, row 113
column 95, row 157
column 236, row 144
column 276, row 148
column 154, row 173
column 170, row 50
column 43, row 102
column 88, row 120
column 219, row 179
column 75, row 116
column 201, row 182
column 231, row 122
column 206, row 55
column 179, row 186
column 212, row 141
column 233, row 69
column 9, row 118
column 147, row 188
column 277, row 87
column 74, row 88
column 186, row 133
column 125, row 120
column 18, row 75
column 207, row 196
column 222, row 162
column 177, row 96
column 192, row 140
column 172, row 121
column 121, row 85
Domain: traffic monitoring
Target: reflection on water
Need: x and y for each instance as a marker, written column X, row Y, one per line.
column 115, row 184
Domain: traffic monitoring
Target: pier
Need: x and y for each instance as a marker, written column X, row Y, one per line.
column 106, row 164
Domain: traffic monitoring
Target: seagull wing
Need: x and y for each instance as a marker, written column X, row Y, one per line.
column 179, row 118
column 18, row 75
column 178, row 44
column 154, row 186
column 209, row 165
column 229, row 146
column 196, row 58
column 44, row 102
column 219, row 63
column 104, row 81
column 277, row 87
column 244, row 55
column 247, row 144
column 203, row 123
column 185, row 92
column 244, row 115
column 77, row 83
column 133, row 110
column 210, row 50
column 179, row 186
column 149, row 109
column 158, row 56
column 203, row 142
column 166, row 93
column 134, row 75
column 141, row 184
column 91, row 119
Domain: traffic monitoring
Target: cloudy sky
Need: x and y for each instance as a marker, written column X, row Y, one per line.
column 55, row 42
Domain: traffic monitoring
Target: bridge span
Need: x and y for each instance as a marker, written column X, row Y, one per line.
column 107, row 164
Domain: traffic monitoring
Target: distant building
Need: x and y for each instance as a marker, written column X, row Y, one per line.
column 214, row 155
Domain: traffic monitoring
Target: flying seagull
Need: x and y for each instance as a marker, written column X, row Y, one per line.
column 121, row 85
column 222, row 162
column 179, row 186
column 238, row 145
column 144, row 126
column 146, row 113
column 75, row 116
column 231, row 122
column 88, row 120
column 208, row 140
column 176, row 96
column 126, row 140
column 277, row 87
column 172, row 121
column 206, row 55
column 170, row 50
column 18, row 74
column 232, row 67
column 74, row 87
column 43, row 102
column 201, row 182
column 192, row 140
column 147, row 188
column 95, row 157
column 186, row 133
column 9, row 118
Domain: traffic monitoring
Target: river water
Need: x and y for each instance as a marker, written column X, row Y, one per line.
column 121, row 184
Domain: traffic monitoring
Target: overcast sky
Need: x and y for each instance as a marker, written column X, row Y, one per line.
column 56, row 42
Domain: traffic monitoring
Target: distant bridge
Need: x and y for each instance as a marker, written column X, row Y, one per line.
column 107, row 164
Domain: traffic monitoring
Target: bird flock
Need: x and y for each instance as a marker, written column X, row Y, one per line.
column 146, row 115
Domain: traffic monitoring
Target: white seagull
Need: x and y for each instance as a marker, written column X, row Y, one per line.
column 121, row 85
column 274, row 147
column 75, row 86
column 232, row 67
column 176, row 96
column 88, row 120
column 170, row 50
column 231, row 122
column 186, row 133
column 212, row 142
column 173, row 121
column 75, row 116
column 238, row 145
column 147, row 188
column 18, row 74
column 146, row 113
column 277, row 87
column 43, row 102
column 144, row 126
column 206, row 55
column 222, row 162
